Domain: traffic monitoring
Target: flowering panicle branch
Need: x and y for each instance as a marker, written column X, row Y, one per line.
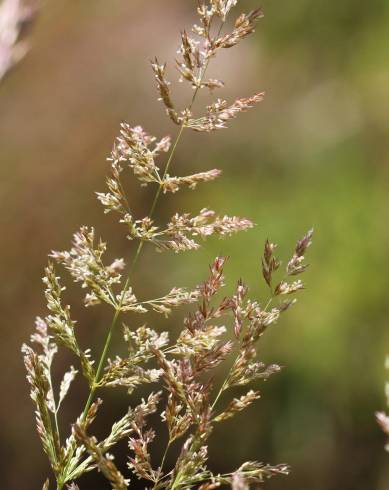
column 173, row 184
column 84, row 262
column 182, row 230
column 163, row 86
column 60, row 324
column 214, row 330
column 41, row 394
column 244, row 26
column 219, row 113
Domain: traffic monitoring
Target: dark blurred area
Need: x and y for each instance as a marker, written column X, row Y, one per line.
column 314, row 153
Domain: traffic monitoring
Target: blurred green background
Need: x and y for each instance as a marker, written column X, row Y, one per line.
column 314, row 153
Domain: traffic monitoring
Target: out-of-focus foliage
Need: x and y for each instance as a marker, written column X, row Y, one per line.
column 313, row 154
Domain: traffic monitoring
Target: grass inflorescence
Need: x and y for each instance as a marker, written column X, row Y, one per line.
column 217, row 329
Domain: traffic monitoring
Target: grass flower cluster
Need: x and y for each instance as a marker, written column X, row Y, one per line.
column 217, row 329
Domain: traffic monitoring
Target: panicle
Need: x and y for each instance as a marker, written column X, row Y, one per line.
column 296, row 263
column 215, row 330
column 195, row 54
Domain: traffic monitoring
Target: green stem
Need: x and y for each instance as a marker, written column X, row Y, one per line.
column 55, row 409
column 218, row 396
column 101, row 364
column 162, row 465
column 57, row 427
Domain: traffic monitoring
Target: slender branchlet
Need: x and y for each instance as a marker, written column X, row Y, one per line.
column 217, row 328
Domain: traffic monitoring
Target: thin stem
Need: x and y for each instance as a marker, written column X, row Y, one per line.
column 162, row 465
column 158, row 193
column 218, row 396
column 269, row 302
column 55, row 407
column 57, row 426
column 101, row 364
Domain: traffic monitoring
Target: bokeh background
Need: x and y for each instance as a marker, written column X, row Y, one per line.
column 314, row 153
